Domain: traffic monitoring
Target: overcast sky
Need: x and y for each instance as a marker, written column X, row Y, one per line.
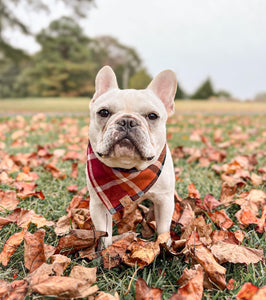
column 221, row 39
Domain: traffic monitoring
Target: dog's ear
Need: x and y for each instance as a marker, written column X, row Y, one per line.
column 164, row 86
column 105, row 80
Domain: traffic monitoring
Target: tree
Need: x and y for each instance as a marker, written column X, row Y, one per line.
column 64, row 66
column 180, row 93
column 140, row 80
column 204, row 91
column 123, row 59
column 9, row 19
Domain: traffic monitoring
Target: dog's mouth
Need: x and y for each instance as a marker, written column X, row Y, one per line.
column 125, row 147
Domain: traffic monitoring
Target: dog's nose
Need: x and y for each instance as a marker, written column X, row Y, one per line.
column 127, row 122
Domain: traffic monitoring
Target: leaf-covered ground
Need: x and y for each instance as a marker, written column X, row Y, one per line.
column 47, row 240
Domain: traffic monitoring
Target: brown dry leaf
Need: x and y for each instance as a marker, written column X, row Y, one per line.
column 220, row 218
column 112, row 255
column 59, row 263
column 71, row 243
column 83, row 273
column 72, row 188
column 63, row 226
column 143, row 292
column 34, row 250
column 256, row 179
column 209, row 203
column 29, row 216
column 11, row 246
column 81, row 219
column 228, row 193
column 65, row 287
column 247, row 291
column 74, row 173
column 143, row 253
column 56, row 173
column 224, row 236
column 177, row 213
column 227, row 252
column 191, row 282
column 106, row 296
column 15, row 290
column 186, row 217
column 38, row 194
column 8, row 200
column 203, row 229
column 215, row 272
column 131, row 217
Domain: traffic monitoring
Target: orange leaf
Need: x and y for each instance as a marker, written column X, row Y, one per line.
column 247, row 291
column 221, row 219
column 11, row 246
column 193, row 192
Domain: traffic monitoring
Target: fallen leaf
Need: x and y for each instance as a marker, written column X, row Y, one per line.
column 142, row 252
column 220, row 218
column 227, row 252
column 15, row 290
column 71, row 243
column 83, row 273
column 256, row 179
column 34, row 250
column 74, row 173
column 247, row 291
column 66, row 287
column 72, row 188
column 193, row 192
column 186, row 217
column 112, row 255
column 143, row 292
column 209, row 203
column 261, row 294
column 191, row 282
column 215, row 272
column 8, row 200
column 11, row 246
column 63, row 226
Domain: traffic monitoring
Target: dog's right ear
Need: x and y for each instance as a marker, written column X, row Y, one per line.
column 105, row 80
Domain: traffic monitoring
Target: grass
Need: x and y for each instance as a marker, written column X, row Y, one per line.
column 62, row 132
column 80, row 105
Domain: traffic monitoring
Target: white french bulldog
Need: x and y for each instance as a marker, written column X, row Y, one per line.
column 127, row 135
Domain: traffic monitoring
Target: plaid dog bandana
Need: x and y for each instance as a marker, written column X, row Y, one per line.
column 118, row 188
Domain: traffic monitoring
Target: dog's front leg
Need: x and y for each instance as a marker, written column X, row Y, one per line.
column 102, row 220
column 163, row 209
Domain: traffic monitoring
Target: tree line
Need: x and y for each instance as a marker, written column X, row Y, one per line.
column 68, row 60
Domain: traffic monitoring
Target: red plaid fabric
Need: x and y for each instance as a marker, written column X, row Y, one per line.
column 117, row 188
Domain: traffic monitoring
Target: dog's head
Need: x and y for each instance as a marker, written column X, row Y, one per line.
column 127, row 127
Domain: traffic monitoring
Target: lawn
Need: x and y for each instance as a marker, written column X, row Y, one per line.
column 42, row 161
column 80, row 105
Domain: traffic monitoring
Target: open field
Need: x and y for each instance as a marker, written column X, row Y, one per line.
column 80, row 105
column 42, row 161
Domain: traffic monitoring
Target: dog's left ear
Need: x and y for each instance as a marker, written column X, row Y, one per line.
column 164, row 86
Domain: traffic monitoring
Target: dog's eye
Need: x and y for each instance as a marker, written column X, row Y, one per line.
column 152, row 116
column 104, row 113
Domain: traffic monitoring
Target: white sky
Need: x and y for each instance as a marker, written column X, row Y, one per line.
column 222, row 39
